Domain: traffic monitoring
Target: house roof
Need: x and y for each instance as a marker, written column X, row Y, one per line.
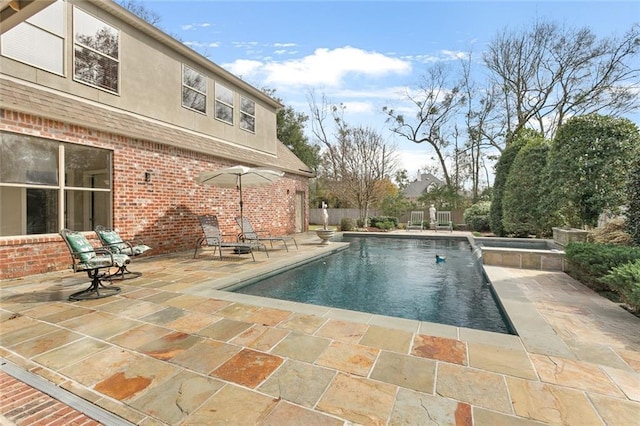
column 421, row 186
column 21, row 96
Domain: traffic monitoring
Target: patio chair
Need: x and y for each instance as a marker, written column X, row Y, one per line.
column 444, row 221
column 214, row 238
column 250, row 234
column 416, row 220
column 112, row 241
column 96, row 262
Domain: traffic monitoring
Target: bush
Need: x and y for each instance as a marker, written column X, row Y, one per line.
column 502, row 172
column 625, row 280
column 522, row 213
column 477, row 216
column 589, row 262
column 633, row 207
column 347, row 224
column 384, row 222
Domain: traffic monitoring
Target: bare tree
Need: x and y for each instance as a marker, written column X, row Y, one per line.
column 437, row 101
column 141, row 11
column 549, row 73
column 355, row 159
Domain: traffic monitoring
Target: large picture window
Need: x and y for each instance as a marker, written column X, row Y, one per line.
column 39, row 41
column 247, row 114
column 46, row 186
column 96, row 51
column 194, row 90
column 224, row 104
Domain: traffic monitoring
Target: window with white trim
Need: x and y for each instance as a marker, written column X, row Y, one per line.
column 47, row 185
column 194, row 90
column 224, row 104
column 247, row 114
column 39, row 40
column 96, row 51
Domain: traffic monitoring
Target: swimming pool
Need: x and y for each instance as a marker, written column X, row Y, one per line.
column 396, row 277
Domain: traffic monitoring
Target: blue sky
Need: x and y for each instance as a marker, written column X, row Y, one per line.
column 363, row 53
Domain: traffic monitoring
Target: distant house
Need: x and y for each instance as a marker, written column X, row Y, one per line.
column 106, row 120
column 424, row 184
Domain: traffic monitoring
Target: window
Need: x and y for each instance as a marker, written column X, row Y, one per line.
column 247, row 114
column 224, row 104
column 47, row 185
column 96, row 47
column 39, row 41
column 194, row 90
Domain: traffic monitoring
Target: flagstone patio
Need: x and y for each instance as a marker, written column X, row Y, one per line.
column 174, row 349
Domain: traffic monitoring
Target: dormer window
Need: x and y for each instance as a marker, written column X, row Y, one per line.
column 247, row 114
column 224, row 104
column 96, row 51
column 194, row 90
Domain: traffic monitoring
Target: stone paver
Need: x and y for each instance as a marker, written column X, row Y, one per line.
column 173, row 349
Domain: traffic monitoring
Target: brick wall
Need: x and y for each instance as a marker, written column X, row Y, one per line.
column 162, row 212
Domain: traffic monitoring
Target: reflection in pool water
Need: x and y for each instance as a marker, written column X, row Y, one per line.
column 396, row 277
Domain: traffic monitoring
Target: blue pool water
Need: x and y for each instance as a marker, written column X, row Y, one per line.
column 396, row 277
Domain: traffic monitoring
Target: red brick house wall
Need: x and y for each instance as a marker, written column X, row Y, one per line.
column 162, row 212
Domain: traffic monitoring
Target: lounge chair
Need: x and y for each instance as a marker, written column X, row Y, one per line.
column 214, row 238
column 96, row 262
column 132, row 248
column 416, row 220
column 444, row 221
column 248, row 233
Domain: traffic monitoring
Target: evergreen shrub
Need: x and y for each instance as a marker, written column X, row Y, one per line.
column 625, row 280
column 347, row 224
column 384, row 222
column 589, row 262
column 476, row 217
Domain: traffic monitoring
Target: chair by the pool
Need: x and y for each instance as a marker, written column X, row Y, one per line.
column 95, row 261
column 444, row 221
column 213, row 237
column 248, row 233
column 112, row 240
column 416, row 220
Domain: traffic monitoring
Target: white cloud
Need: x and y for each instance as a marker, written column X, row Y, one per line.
column 284, row 44
column 244, row 67
column 188, row 27
column 329, row 67
column 197, row 44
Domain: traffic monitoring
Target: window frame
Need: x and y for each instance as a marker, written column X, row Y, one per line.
column 194, row 89
column 92, row 50
column 244, row 113
column 33, row 23
column 62, row 188
column 223, row 103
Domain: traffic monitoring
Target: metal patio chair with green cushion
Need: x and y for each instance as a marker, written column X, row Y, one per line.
column 95, row 261
column 248, row 233
column 112, row 240
column 213, row 237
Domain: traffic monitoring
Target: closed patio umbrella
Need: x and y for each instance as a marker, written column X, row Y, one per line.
column 238, row 177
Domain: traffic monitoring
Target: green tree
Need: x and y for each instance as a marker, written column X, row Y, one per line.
column 633, row 207
column 290, row 131
column 503, row 166
column 523, row 213
column 589, row 165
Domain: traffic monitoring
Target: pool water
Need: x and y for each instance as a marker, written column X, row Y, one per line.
column 395, row 277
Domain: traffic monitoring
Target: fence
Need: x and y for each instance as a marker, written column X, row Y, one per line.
column 336, row 215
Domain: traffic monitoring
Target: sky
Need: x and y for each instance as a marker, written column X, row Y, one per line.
column 364, row 54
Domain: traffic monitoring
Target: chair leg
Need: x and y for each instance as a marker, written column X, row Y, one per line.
column 198, row 243
column 96, row 290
